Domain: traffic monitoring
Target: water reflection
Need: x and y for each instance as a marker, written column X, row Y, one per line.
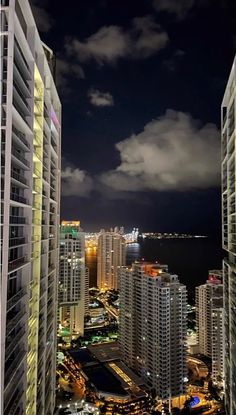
column 132, row 253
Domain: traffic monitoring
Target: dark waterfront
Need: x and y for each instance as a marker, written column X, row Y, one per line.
column 190, row 259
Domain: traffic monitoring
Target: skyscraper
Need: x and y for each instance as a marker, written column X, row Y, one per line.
column 74, row 278
column 110, row 257
column 153, row 327
column 228, row 118
column 209, row 318
column 30, row 203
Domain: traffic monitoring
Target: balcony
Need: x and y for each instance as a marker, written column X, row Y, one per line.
column 17, row 263
column 53, row 195
column 17, row 198
column 20, row 158
column 15, row 363
column 51, row 246
column 51, row 268
column 20, row 138
column 18, row 296
column 17, row 220
column 19, row 178
column 21, row 61
column 14, row 399
column 13, row 341
column 13, row 242
column 11, row 324
column 21, row 100
column 19, row 79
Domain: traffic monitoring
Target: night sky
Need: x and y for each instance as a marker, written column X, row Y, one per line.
column 141, row 84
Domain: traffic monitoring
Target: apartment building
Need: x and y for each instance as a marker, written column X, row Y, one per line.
column 209, row 319
column 110, row 257
column 30, row 208
column 153, row 327
column 74, row 278
column 228, row 117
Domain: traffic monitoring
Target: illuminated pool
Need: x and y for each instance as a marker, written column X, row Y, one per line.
column 195, row 401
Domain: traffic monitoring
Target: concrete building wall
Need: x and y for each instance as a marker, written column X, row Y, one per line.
column 30, row 209
column 228, row 117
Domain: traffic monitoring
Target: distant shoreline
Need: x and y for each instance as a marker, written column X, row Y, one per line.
column 170, row 236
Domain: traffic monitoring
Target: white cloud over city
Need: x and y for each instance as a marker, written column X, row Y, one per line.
column 75, row 182
column 173, row 152
column 110, row 43
column 100, row 99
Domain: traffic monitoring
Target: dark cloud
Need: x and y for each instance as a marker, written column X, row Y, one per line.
column 110, row 43
column 75, row 182
column 173, row 152
column 64, row 71
column 179, row 8
column 100, row 99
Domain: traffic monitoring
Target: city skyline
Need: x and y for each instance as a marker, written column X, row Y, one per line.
column 93, row 321
column 160, row 72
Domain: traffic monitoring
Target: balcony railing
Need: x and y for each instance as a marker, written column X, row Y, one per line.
column 13, row 300
column 16, row 241
column 51, row 267
column 14, row 365
column 18, row 220
column 18, row 198
column 21, row 95
column 21, row 136
column 12, row 341
column 18, row 48
column 19, row 177
column 16, row 263
column 20, row 157
column 11, row 324
column 51, row 246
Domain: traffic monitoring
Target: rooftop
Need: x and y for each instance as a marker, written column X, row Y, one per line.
column 105, row 352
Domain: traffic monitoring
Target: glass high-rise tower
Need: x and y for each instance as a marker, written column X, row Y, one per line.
column 30, row 202
column 228, row 128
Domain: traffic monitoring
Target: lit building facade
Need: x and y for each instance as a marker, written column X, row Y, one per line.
column 228, row 117
column 153, row 327
column 110, row 257
column 74, row 278
column 30, row 204
column 210, row 326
